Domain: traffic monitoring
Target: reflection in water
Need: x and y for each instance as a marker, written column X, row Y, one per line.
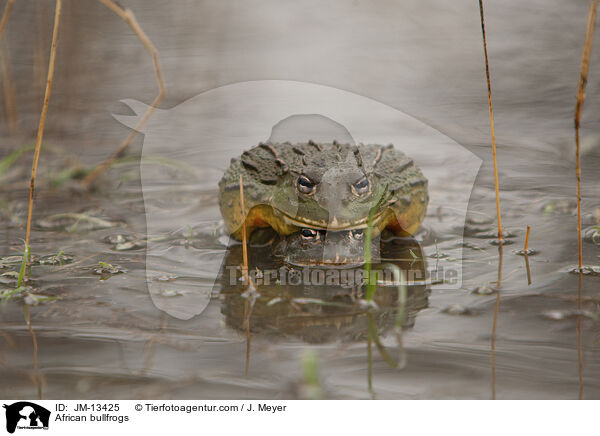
column 36, row 376
column 493, row 344
column 579, row 347
column 150, row 345
column 320, row 303
column 495, row 322
column 500, row 261
column 526, row 256
column 250, row 297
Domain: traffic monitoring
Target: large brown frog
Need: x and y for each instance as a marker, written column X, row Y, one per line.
column 323, row 186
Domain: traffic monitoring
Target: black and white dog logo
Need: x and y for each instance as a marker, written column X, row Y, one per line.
column 26, row 415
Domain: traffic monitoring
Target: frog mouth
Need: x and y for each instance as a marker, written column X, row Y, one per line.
column 334, row 224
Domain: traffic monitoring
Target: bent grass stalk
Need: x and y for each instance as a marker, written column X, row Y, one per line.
column 128, row 16
column 401, row 315
column 372, row 332
column 371, row 281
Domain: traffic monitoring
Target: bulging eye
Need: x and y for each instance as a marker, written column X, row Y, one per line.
column 361, row 187
column 309, row 234
column 357, row 235
column 305, row 185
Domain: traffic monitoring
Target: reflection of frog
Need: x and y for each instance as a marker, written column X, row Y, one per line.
column 319, row 303
column 327, row 186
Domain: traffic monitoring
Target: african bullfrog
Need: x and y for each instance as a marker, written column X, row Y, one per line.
column 323, row 186
column 310, row 247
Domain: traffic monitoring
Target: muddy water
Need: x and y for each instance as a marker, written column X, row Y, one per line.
column 103, row 337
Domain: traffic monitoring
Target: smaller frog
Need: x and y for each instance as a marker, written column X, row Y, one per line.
column 313, row 247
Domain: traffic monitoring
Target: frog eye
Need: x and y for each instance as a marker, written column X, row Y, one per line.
column 361, row 187
column 305, row 185
column 357, row 235
column 309, row 234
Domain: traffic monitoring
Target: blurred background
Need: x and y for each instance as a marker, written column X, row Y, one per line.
column 422, row 57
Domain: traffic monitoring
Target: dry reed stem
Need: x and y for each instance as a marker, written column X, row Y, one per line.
column 526, row 256
column 585, row 64
column 40, row 133
column 492, row 129
column 244, row 236
column 5, row 15
column 129, row 18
